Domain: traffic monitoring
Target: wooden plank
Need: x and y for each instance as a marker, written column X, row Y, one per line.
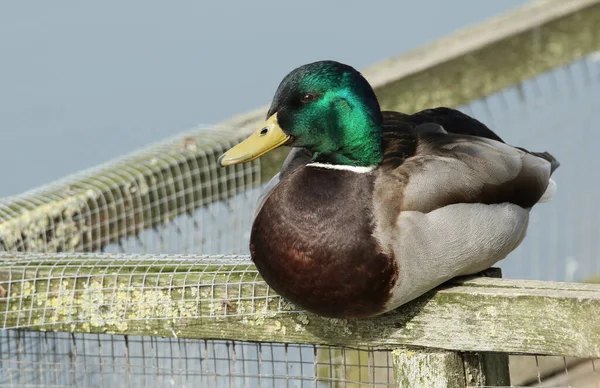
column 470, row 39
column 481, row 60
column 529, row 284
column 428, row 368
column 221, row 298
column 485, row 369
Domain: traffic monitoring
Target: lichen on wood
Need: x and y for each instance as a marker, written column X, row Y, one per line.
column 221, row 298
column 414, row 367
column 428, row 368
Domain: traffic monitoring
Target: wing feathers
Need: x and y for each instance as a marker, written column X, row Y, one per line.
column 450, row 168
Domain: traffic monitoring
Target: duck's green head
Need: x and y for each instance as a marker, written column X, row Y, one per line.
column 326, row 107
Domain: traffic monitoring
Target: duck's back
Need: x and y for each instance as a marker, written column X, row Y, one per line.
column 441, row 156
column 460, row 199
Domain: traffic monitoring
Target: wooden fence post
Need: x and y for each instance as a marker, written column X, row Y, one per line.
column 441, row 368
column 428, row 368
column 486, row 369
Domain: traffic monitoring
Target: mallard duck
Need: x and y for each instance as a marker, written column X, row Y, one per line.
column 372, row 209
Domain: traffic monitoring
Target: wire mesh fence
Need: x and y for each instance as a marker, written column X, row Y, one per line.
column 122, row 292
column 557, row 111
column 152, row 196
column 173, row 198
column 48, row 359
column 118, row 292
column 161, row 295
column 137, row 361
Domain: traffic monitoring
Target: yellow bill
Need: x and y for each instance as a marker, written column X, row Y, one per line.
column 268, row 137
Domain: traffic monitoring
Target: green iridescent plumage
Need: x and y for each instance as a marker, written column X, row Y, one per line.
column 342, row 124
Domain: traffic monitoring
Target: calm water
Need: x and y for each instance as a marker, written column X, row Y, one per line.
column 84, row 82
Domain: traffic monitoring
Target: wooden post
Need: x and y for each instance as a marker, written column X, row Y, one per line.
column 428, row 368
column 441, row 368
column 486, row 369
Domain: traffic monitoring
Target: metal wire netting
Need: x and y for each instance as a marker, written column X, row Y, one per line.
column 79, row 292
column 167, row 197
column 173, row 198
column 48, row 359
column 135, row 361
column 117, row 291
column 122, row 293
column 559, row 112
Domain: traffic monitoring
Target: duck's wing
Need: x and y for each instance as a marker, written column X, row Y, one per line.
column 448, row 168
column 423, row 172
column 296, row 158
column 443, row 156
column 400, row 130
column 451, row 120
column 454, row 121
column 455, row 205
column 455, row 240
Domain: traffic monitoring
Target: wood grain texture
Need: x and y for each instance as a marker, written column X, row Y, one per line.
column 486, row 369
column 142, row 295
column 434, row 369
column 470, row 39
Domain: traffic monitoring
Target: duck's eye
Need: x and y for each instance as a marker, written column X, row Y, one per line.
column 308, row 97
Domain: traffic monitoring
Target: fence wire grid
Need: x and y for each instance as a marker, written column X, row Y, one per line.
column 169, row 198
column 39, row 360
column 559, row 112
column 136, row 361
column 114, row 291
column 173, row 198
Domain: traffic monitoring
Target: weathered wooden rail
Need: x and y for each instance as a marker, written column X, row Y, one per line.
column 470, row 321
column 225, row 298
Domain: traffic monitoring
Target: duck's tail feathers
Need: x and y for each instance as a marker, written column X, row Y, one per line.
column 554, row 163
column 549, row 193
